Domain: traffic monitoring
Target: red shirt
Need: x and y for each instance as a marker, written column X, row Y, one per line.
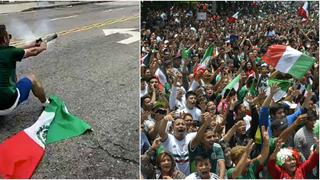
column 279, row 173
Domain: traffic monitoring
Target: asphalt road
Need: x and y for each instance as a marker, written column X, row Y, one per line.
column 97, row 78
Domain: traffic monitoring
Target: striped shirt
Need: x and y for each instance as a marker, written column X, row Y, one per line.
column 303, row 140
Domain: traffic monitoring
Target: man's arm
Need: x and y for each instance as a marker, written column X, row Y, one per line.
column 231, row 131
column 274, row 170
column 265, row 149
column 291, row 129
column 163, row 125
column 264, row 111
column 206, row 123
column 34, row 51
column 222, row 168
column 292, row 117
column 242, row 163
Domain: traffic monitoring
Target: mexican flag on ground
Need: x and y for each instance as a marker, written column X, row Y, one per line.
column 288, row 60
column 283, row 85
column 201, row 67
column 21, row 153
column 233, row 18
column 303, row 11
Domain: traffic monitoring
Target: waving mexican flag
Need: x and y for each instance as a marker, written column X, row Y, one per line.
column 288, row 60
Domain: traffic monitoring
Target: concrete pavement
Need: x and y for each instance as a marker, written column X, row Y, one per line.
column 29, row 6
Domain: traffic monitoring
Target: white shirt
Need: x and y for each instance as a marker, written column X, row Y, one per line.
column 195, row 175
column 179, row 150
column 195, row 112
column 174, row 102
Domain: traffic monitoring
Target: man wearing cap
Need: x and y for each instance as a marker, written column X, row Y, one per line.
column 13, row 92
column 151, row 125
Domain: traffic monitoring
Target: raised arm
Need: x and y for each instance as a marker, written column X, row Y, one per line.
column 231, row 131
column 163, row 125
column 173, row 95
column 243, row 161
column 265, row 149
column 206, row 123
column 291, row 129
column 274, row 170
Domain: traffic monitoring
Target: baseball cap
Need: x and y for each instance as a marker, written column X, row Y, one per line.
column 279, row 124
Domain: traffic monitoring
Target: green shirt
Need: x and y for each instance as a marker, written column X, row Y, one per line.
column 214, row 154
column 8, row 57
column 252, row 169
column 242, row 93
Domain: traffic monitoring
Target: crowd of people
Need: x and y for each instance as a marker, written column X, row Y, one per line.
column 205, row 124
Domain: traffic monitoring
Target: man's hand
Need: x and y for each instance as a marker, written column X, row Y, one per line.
column 144, row 115
column 169, row 117
column 265, row 135
column 232, row 103
column 301, row 120
column 317, row 144
column 274, row 88
column 203, row 106
column 249, row 146
column 279, row 143
column 156, row 143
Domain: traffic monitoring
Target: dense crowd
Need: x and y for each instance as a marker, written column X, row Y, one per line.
column 201, row 125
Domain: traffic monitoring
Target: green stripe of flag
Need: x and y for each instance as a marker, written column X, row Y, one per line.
column 301, row 66
column 64, row 125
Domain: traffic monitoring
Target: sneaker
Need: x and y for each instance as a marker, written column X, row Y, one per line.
column 45, row 104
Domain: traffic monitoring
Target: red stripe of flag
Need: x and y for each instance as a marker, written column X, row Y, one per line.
column 274, row 54
column 19, row 156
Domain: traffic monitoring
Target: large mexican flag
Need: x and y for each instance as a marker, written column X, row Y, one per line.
column 288, row 60
column 21, row 153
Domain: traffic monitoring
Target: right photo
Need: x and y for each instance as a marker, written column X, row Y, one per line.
column 229, row 90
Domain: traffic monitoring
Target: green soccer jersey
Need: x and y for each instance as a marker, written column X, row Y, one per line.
column 8, row 57
column 252, row 169
column 214, row 154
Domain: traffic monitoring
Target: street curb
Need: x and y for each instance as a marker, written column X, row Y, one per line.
column 61, row 5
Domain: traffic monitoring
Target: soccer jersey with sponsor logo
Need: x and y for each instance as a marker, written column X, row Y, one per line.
column 179, row 150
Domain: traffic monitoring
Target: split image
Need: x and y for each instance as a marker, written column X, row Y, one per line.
column 229, row 89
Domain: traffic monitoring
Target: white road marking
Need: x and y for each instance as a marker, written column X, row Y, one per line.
column 109, row 10
column 135, row 34
column 67, row 17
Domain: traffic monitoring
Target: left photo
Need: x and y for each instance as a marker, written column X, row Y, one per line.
column 69, row 89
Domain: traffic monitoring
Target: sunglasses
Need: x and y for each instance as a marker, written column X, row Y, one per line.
column 161, row 111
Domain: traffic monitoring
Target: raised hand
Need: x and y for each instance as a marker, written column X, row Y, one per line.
column 279, row 143
column 169, row 117
column 203, row 106
column 156, row 143
column 301, row 119
column 265, row 135
column 274, row 88
column 249, row 146
column 317, row 144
